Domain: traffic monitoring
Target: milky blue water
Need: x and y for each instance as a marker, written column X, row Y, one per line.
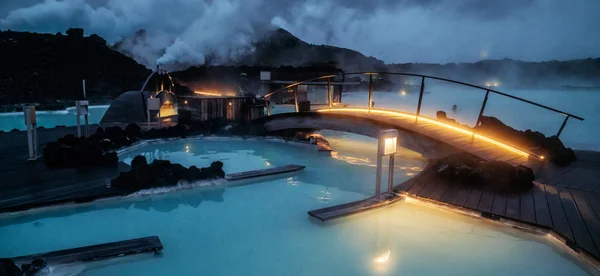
column 262, row 228
column 581, row 102
column 50, row 119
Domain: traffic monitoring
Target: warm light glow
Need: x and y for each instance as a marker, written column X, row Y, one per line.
column 423, row 119
column 230, row 103
column 383, row 258
column 207, row 94
column 185, row 102
column 403, row 92
column 390, row 146
column 542, row 157
column 488, row 84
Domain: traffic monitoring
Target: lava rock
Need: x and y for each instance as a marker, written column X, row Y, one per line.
column 33, row 268
column 117, row 136
column 138, row 161
column 551, row 147
column 441, row 115
column 132, row 130
column 163, row 173
column 8, row 268
column 498, row 176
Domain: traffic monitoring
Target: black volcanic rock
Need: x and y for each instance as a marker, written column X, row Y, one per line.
column 44, row 68
column 163, row 173
column 493, row 175
column 550, row 147
column 8, row 268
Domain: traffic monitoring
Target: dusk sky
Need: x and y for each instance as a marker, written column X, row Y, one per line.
column 438, row 31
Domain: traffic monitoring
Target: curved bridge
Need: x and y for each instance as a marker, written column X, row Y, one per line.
column 432, row 138
column 428, row 136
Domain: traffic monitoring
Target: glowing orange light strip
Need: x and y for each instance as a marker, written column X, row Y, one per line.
column 448, row 126
column 207, row 94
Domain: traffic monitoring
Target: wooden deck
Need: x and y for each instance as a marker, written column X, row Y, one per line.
column 96, row 252
column 347, row 209
column 565, row 201
column 28, row 184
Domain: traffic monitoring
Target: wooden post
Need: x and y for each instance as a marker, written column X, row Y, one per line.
column 370, row 92
column 420, row 99
column 329, row 92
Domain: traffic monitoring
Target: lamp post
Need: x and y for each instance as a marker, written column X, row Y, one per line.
column 387, row 143
column 31, row 123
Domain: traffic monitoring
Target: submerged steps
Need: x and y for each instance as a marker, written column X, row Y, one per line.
column 96, row 252
column 346, row 209
column 263, row 172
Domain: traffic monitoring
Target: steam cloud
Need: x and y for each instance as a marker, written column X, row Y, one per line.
column 190, row 32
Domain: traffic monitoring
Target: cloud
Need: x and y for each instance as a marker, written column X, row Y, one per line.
column 196, row 31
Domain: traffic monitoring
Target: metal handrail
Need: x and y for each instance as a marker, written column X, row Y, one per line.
column 487, row 89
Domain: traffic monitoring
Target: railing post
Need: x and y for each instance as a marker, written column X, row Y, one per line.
column 370, row 91
column 296, row 98
column 487, row 93
column 268, row 107
column 420, row 99
column 562, row 126
column 329, row 92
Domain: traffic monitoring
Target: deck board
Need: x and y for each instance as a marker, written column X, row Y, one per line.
column 557, row 212
column 592, row 221
column 96, row 252
column 486, row 201
column 542, row 211
column 580, row 232
column 499, row 205
column 461, row 196
column 473, row 199
column 527, row 212
column 513, row 206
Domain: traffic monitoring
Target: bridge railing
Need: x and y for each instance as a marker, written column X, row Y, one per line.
column 421, row 92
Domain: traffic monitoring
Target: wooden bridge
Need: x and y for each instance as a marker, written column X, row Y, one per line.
column 432, row 138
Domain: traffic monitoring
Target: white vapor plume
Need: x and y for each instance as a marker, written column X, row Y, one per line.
column 193, row 32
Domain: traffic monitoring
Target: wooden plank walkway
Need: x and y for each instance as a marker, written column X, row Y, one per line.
column 573, row 214
column 96, row 252
column 338, row 211
column 263, row 172
column 461, row 140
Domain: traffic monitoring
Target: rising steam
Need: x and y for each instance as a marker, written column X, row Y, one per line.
column 192, row 32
